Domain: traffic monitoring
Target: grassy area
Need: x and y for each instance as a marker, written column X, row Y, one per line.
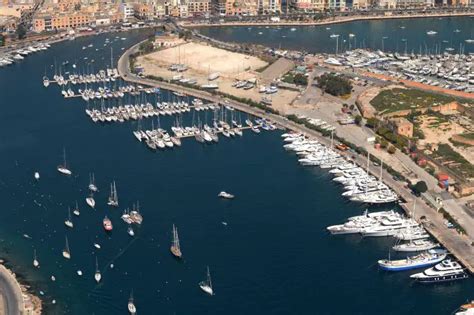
column 389, row 101
column 469, row 135
column 453, row 161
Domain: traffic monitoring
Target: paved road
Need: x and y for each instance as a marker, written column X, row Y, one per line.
column 11, row 293
column 458, row 245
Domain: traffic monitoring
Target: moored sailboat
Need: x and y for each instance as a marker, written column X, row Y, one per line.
column 175, row 247
column 131, row 305
column 35, row 260
column 90, row 200
column 206, row 285
column 92, row 187
column 113, row 198
column 97, row 275
column 63, row 168
column 66, row 251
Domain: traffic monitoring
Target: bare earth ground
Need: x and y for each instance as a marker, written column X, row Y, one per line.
column 442, row 133
column 202, row 60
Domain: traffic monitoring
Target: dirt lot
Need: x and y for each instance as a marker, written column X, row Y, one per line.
column 202, row 60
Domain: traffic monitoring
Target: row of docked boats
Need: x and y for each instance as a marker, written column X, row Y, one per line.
column 127, row 112
column 427, row 252
column 359, row 185
column 22, row 53
column 107, row 75
column 447, row 70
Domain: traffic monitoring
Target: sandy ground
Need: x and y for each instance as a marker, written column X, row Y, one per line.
column 442, row 133
column 203, row 59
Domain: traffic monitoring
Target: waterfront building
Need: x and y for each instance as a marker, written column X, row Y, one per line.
column 127, row 11
column 199, row 7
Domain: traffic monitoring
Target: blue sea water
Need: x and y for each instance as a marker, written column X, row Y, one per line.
column 274, row 256
column 397, row 35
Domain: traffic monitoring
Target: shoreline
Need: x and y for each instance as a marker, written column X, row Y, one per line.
column 327, row 22
column 16, row 290
column 459, row 245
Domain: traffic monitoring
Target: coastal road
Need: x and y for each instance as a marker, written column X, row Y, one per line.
column 12, row 298
column 459, row 245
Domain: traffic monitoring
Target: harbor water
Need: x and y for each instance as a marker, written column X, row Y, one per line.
column 268, row 250
column 395, row 35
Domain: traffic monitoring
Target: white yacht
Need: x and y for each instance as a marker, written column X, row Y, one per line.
column 225, row 195
column 415, row 246
column 389, row 226
column 447, row 270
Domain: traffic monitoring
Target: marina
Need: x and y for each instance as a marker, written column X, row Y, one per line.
column 260, row 222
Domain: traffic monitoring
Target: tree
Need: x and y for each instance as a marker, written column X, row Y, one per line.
column 358, row 119
column 334, row 84
column 420, row 187
column 146, row 47
column 21, row 31
column 372, row 122
column 300, row 79
column 391, row 149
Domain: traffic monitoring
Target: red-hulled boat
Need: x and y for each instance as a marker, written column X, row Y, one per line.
column 107, row 224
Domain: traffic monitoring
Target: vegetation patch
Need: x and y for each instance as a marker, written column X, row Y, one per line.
column 334, row 84
column 295, row 78
column 389, row 101
column 454, row 161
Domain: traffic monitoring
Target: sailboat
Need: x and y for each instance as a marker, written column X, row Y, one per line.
column 35, row 260
column 90, row 200
column 63, row 167
column 206, row 286
column 92, row 186
column 131, row 306
column 68, row 221
column 76, row 210
column 97, row 275
column 113, row 198
column 175, row 247
column 66, row 251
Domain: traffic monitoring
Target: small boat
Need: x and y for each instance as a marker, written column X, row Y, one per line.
column 79, row 273
column 37, row 175
column 431, row 33
column 90, row 201
column 131, row 306
column 97, row 275
column 206, row 285
column 35, row 260
column 68, row 221
column 130, row 231
column 175, row 247
column 96, row 245
column 107, row 224
column 76, row 210
column 62, row 168
column 66, row 251
column 53, row 278
column 226, row 195
column 92, row 186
